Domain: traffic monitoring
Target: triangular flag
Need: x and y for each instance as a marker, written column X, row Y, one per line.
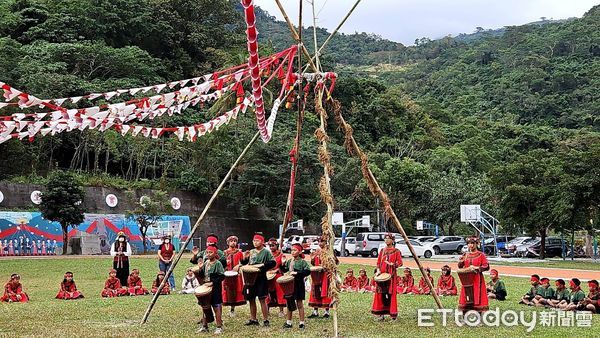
column 180, row 133
column 124, row 129
column 136, row 130
column 59, row 102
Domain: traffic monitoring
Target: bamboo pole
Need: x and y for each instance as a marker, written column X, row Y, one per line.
column 327, row 197
column 294, row 170
column 295, row 35
column 316, row 56
column 318, row 52
column 353, row 148
column 200, row 219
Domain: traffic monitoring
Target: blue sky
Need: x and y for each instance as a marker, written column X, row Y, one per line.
column 406, row 20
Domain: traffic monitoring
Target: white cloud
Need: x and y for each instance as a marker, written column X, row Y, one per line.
column 407, row 20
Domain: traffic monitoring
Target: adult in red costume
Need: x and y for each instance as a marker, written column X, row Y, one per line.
column 276, row 298
column 113, row 287
column 13, row 291
column 319, row 293
column 233, row 256
column 134, row 284
column 68, row 289
column 446, row 285
column 388, row 261
column 476, row 261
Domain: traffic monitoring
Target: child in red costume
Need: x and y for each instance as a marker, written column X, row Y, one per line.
column 13, row 291
column 134, row 284
column 68, row 289
column 350, row 283
column 112, row 286
column 406, row 285
column 159, row 278
column 423, row 286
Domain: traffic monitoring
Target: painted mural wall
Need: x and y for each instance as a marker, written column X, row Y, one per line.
column 28, row 233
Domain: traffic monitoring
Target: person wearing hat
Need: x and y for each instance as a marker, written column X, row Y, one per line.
column 165, row 258
column 476, row 262
column 446, row 285
column 260, row 289
column 212, row 272
column 68, row 289
column 423, row 288
column 319, row 295
column 13, row 291
column 276, row 298
column 385, row 301
column 495, row 287
column 121, row 250
column 298, row 268
column 211, row 240
column 233, row 257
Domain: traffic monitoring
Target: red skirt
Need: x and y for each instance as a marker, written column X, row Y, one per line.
column 408, row 289
column 109, row 293
column 480, row 301
column 238, row 299
column 318, row 295
column 66, row 295
column 13, row 298
column 386, row 303
column 138, row 292
column 276, row 298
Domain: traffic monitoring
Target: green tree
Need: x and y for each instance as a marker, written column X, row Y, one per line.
column 148, row 210
column 62, row 202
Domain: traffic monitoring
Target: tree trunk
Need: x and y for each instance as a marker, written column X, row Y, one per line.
column 543, row 244
column 65, row 239
column 144, row 242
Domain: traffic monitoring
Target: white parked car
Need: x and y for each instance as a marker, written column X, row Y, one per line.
column 421, row 249
column 350, row 246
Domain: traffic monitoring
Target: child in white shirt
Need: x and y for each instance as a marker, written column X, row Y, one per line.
column 189, row 282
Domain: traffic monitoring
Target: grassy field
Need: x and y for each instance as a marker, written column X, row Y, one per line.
column 176, row 315
column 560, row 264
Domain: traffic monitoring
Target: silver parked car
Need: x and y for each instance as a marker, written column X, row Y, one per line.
column 447, row 244
column 367, row 243
column 350, row 246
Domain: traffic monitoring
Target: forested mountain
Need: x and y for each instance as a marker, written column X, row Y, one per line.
column 507, row 121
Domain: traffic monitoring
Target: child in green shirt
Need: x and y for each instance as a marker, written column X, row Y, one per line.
column 527, row 299
column 212, row 272
column 496, row 288
column 561, row 294
column 545, row 292
column 298, row 268
column 575, row 298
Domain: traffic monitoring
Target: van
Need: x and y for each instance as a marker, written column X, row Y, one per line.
column 367, row 243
